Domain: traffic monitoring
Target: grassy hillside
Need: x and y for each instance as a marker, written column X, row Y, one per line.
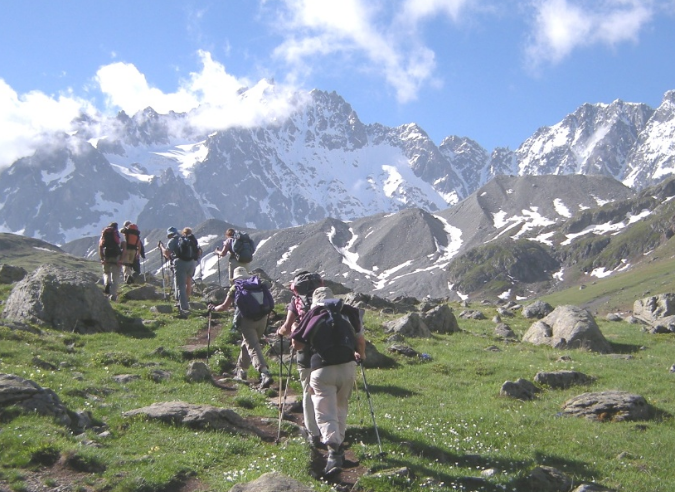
column 441, row 418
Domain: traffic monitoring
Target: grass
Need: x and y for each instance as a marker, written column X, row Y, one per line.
column 442, row 418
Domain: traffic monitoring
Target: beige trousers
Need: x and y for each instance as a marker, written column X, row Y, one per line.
column 331, row 388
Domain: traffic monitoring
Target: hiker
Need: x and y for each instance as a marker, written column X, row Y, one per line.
column 183, row 251
column 251, row 329
column 333, row 365
column 110, row 251
column 303, row 286
column 240, row 247
column 132, row 238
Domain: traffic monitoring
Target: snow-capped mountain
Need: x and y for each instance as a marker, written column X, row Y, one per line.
column 312, row 161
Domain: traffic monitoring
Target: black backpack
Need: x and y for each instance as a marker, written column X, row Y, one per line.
column 333, row 338
column 111, row 248
column 188, row 248
column 243, row 247
column 305, row 283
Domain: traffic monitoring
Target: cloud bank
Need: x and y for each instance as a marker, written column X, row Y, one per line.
column 386, row 39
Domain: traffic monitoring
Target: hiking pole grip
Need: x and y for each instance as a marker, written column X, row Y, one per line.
column 370, row 405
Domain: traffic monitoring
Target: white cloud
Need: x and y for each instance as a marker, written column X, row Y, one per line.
column 390, row 43
column 25, row 119
column 561, row 26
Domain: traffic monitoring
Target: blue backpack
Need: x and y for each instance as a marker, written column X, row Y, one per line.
column 253, row 298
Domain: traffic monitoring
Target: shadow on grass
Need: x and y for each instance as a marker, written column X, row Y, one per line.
column 389, row 389
column 625, row 348
column 133, row 327
column 422, row 451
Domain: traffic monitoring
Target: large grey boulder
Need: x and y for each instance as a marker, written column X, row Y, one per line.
column 609, row 406
column 63, row 299
column 272, row 482
column 32, row 398
column 440, row 319
column 651, row 309
column 568, row 327
column 204, row 417
column 411, row 325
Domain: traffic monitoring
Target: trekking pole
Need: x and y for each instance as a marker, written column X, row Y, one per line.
column 288, row 383
column 358, row 401
column 219, row 283
column 208, row 337
column 161, row 257
column 370, row 404
column 281, row 381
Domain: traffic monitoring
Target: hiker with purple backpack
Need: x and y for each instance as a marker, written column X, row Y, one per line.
column 252, row 302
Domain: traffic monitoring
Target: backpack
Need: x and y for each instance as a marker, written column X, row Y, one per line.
column 243, row 247
column 188, row 248
column 333, row 338
column 110, row 242
column 305, row 283
column 253, row 298
column 303, row 286
column 132, row 235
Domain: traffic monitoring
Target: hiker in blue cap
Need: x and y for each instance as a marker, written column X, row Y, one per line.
column 183, row 251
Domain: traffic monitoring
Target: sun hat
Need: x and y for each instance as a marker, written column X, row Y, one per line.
column 127, row 223
column 171, row 231
column 320, row 295
column 239, row 273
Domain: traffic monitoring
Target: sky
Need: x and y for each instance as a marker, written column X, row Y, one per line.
column 491, row 70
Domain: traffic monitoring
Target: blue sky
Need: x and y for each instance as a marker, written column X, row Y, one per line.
column 490, row 70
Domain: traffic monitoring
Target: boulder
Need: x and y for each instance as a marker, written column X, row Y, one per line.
column 609, row 406
column 504, row 331
column 650, row 309
column 272, row 482
column 440, row 319
column 411, row 325
column 63, row 299
column 198, row 371
column 568, row 327
column 30, row 397
column 143, row 293
column 10, row 274
column 562, row 379
column 520, row 389
column 538, row 309
column 204, row 417
column 472, row 314
column 548, row 479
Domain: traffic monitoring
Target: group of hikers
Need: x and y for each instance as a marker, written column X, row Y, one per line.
column 326, row 334
column 120, row 252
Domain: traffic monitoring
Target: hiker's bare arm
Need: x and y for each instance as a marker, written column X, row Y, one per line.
column 360, row 347
column 222, row 307
column 286, row 327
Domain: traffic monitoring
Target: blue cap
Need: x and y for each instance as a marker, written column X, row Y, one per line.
column 171, row 231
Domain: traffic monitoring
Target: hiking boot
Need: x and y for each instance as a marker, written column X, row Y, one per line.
column 334, row 462
column 315, row 442
column 266, row 380
column 240, row 375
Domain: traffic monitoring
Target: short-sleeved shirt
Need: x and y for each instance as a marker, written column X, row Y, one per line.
column 172, row 246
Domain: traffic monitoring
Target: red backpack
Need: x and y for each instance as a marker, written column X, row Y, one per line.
column 132, row 235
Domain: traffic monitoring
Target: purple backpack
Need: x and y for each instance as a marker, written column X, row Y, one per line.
column 253, row 298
